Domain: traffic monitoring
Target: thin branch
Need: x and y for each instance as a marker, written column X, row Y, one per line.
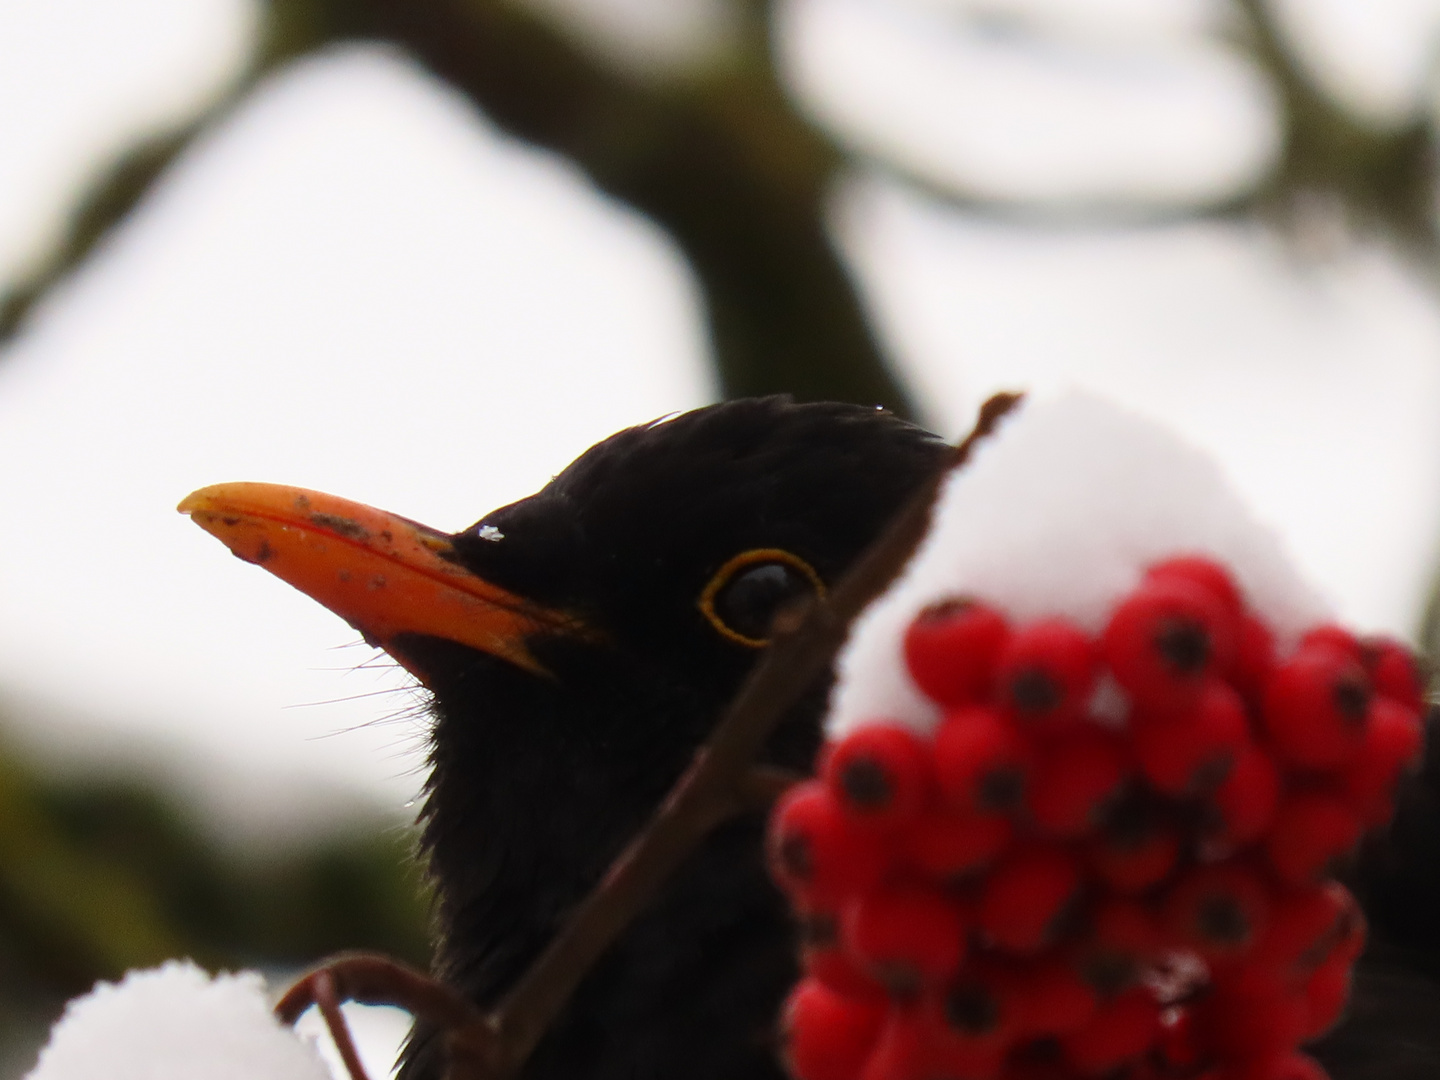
column 109, row 198
column 329, row 1004
column 120, row 185
column 372, row 979
column 377, row 980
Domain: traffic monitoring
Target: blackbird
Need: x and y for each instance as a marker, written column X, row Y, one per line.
column 579, row 645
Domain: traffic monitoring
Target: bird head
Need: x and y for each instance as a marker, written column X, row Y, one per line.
column 579, row 644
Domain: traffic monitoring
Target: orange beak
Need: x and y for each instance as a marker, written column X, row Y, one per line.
column 385, row 575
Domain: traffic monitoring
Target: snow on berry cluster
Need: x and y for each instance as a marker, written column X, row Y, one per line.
column 1090, row 839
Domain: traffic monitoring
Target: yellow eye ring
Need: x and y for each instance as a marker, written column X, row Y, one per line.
column 740, row 562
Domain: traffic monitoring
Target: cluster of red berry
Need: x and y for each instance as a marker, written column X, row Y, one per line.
column 1113, row 856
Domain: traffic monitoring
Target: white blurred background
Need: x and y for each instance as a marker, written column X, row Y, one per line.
column 354, row 282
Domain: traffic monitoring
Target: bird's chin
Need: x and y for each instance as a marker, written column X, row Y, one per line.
column 454, row 672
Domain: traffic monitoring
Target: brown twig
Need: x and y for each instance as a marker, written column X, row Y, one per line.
column 329, row 1004
column 721, row 780
column 372, row 979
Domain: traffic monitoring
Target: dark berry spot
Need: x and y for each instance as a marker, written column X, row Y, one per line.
column 1043, row 1051
column 902, row 980
column 1032, row 690
column 796, row 859
column 1212, row 772
column 1129, row 821
column 972, row 1010
column 1351, row 695
column 1221, row 920
column 1002, row 789
column 1184, row 645
column 1066, row 920
column 866, row 784
column 1109, row 971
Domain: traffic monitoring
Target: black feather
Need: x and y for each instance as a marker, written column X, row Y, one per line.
column 537, row 783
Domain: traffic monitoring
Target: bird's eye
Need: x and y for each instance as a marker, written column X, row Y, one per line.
column 744, row 596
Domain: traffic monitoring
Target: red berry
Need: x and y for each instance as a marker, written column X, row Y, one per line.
column 1315, row 707
column 1243, row 806
column 1194, row 751
column 1045, row 673
column 951, row 648
column 1394, row 740
column 903, row 1050
column 814, row 851
column 1305, row 927
column 841, row 974
column 1134, row 850
column 1204, row 572
column 880, row 775
column 1312, row 832
column 823, row 959
column 1394, row 671
column 1167, row 640
column 1219, row 911
column 966, row 1059
column 1328, row 635
column 1254, row 656
column 980, row 1016
column 1296, row 1067
column 1058, row 999
column 1077, row 775
column 1120, row 1031
column 981, row 762
column 1177, row 1050
column 1250, row 1014
column 1122, row 937
column 1037, row 1066
column 951, row 846
column 905, row 935
column 828, row 1036
column 1327, row 992
column 1025, row 896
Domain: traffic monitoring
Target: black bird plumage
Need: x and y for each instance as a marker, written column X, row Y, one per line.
column 538, row 782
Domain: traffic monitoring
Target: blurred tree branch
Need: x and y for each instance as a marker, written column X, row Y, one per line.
column 1383, row 178
column 723, row 162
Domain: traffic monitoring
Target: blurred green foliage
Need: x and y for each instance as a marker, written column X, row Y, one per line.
column 99, row 875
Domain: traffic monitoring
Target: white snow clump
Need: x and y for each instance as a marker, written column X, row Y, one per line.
column 1058, row 514
column 175, row 1022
